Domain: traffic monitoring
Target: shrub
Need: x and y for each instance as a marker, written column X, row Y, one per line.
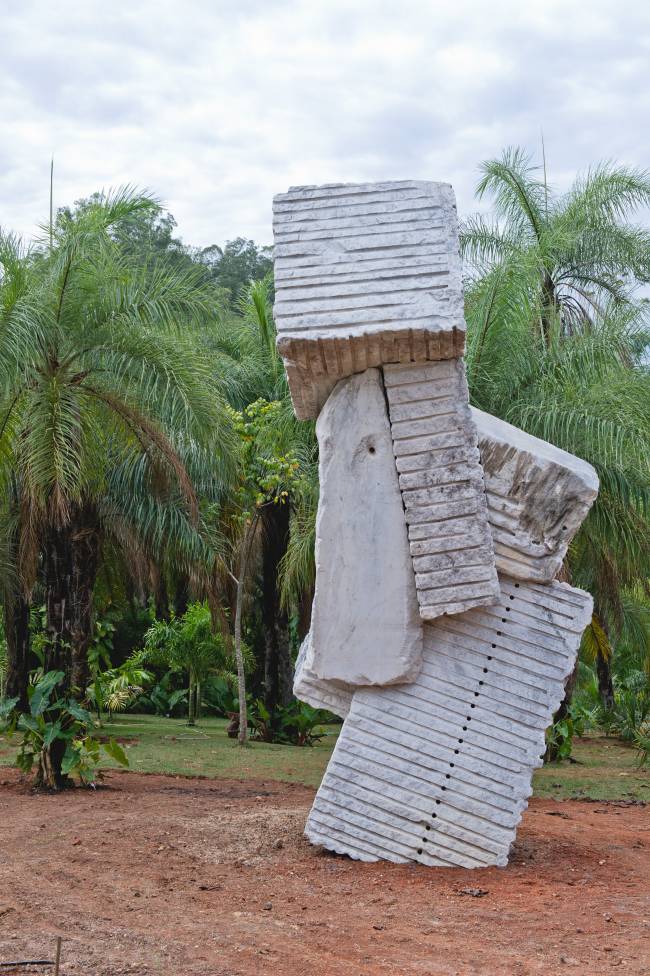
column 56, row 735
column 293, row 724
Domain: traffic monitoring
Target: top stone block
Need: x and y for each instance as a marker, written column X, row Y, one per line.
column 365, row 274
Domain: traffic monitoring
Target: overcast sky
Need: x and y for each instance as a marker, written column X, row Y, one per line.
column 217, row 105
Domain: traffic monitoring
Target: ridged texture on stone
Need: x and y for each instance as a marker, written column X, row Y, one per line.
column 365, row 626
column 441, row 480
column 538, row 497
column 365, row 274
column 317, row 692
column 439, row 771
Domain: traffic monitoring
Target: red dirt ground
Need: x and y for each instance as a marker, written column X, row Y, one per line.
column 166, row 875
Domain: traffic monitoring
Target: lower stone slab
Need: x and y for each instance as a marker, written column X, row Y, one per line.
column 438, row 771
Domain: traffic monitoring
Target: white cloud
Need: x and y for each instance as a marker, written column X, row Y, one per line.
column 218, row 105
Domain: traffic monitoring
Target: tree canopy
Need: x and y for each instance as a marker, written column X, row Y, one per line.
column 558, row 344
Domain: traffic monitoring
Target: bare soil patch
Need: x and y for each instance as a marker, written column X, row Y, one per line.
column 167, row 875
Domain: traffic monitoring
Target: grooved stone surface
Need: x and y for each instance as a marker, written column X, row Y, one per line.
column 537, row 495
column 441, row 481
column 365, row 274
column 308, row 687
column 439, row 770
column 365, row 627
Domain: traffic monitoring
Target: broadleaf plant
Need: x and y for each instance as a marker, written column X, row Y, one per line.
column 57, row 735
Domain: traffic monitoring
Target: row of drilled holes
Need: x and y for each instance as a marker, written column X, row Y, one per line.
column 468, row 719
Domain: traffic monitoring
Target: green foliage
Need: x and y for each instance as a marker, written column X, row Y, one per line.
column 56, row 727
column 236, row 265
column 554, row 280
column 3, row 663
column 189, row 643
column 642, row 742
column 274, row 445
column 559, row 736
column 629, row 718
column 114, row 689
column 192, row 645
column 162, row 699
column 107, row 397
column 296, row 724
column 268, row 474
column 131, row 620
column 630, row 715
column 220, row 694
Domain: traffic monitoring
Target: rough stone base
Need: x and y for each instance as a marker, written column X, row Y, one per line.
column 439, row 771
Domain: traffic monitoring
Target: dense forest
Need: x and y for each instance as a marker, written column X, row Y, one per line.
column 158, row 496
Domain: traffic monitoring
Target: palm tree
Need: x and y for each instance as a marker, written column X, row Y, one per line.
column 110, row 418
column 246, row 358
column 190, row 644
column 558, row 345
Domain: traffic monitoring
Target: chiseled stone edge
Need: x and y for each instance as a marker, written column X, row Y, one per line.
column 317, row 692
column 538, row 496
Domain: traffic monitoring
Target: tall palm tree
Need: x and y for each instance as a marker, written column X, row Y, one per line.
column 558, row 345
column 109, row 415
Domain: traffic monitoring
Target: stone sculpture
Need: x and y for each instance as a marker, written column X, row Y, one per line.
column 438, row 630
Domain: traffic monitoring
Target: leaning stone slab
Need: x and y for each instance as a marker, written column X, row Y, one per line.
column 365, row 274
column 441, row 481
column 365, row 628
column 438, row 771
column 537, row 496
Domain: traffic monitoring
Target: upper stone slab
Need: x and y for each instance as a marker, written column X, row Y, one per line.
column 365, row 274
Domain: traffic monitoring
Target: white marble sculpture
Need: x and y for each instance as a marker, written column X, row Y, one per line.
column 438, row 631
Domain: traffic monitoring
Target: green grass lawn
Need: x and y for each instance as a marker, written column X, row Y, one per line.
column 606, row 769
column 168, row 745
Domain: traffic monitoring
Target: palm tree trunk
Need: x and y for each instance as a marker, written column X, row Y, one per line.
column 549, row 307
column 605, row 685
column 197, row 693
column 160, row 594
column 71, row 554
column 85, row 562
column 604, row 662
column 58, row 626
column 551, row 754
column 239, row 657
column 16, row 621
column 181, row 595
column 58, row 601
column 278, row 667
column 191, row 701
